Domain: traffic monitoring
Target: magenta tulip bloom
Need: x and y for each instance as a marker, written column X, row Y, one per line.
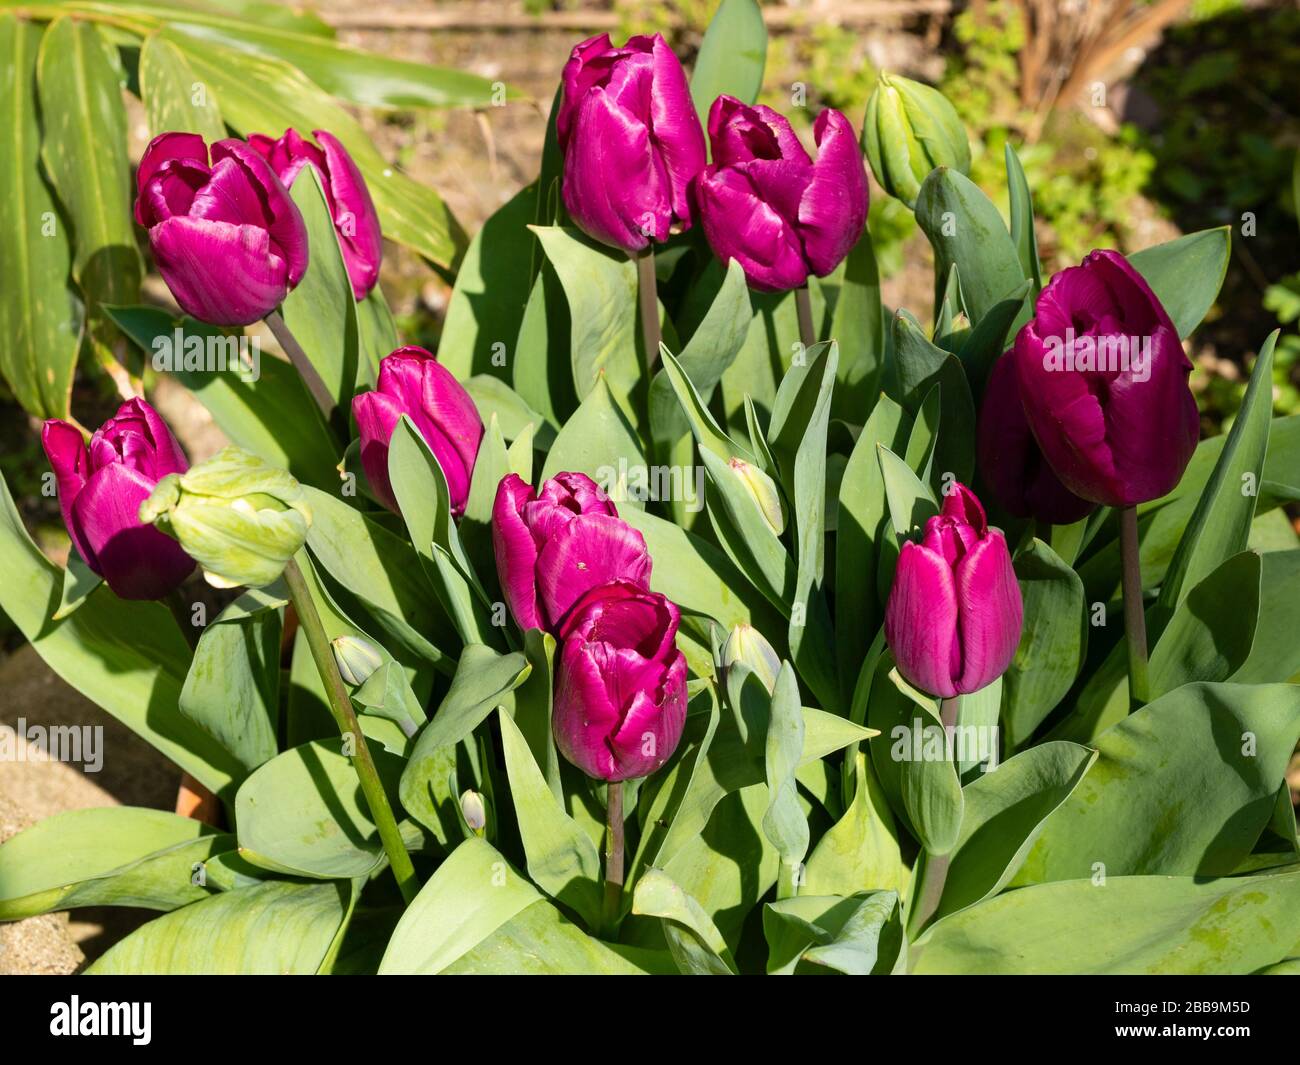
column 631, row 141
column 100, row 492
column 1012, row 462
column 765, row 203
column 1104, row 382
column 414, row 383
column 620, row 687
column 954, row 614
column 553, row 547
column 355, row 220
column 227, row 238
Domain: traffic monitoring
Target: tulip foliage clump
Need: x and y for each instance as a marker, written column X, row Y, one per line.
column 684, row 611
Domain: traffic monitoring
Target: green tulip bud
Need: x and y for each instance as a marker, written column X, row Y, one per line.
column 745, row 644
column 764, row 491
column 909, row 130
column 357, row 659
column 237, row 517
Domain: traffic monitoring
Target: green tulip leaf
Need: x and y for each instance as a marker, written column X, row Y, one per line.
column 731, row 58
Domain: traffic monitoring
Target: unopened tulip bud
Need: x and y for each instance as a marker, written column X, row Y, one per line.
column 356, row 658
column 764, row 491
column 474, row 811
column 909, row 130
column 237, row 517
column 746, row 645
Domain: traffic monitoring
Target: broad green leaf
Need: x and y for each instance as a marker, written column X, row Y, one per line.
column 696, row 575
column 79, row 581
column 860, row 852
column 303, row 813
column 173, row 97
column 1005, row 811
column 484, row 680
column 1022, row 218
column 562, row 860
column 784, row 822
column 1186, row 274
column 40, row 310
column 544, row 379
column 1275, row 654
column 421, row 491
column 600, row 441
column 85, row 154
column 859, row 537
column 376, row 335
column 732, row 56
column 711, row 349
column 127, row 657
column 263, row 407
column 1183, row 786
column 601, row 289
column 320, row 311
column 920, row 366
column 1129, row 924
column 382, row 573
column 487, row 303
column 109, row 856
column 496, row 399
column 858, row 327
column 693, row 939
column 1220, row 525
column 477, row 911
column 859, row 935
column 270, row 929
column 232, row 689
column 965, row 229
column 1210, row 634
column 261, row 94
column 913, row 760
column 1052, row 643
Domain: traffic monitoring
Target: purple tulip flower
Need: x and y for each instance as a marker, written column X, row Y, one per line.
column 954, row 613
column 631, row 141
column 414, row 383
column 765, row 203
column 554, row 547
column 100, row 492
column 620, row 689
column 355, row 220
column 227, row 238
column 1104, row 379
column 1012, row 462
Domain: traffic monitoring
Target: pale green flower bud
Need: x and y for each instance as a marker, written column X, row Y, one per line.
column 764, row 491
column 237, row 517
column 746, row 645
column 909, row 130
column 356, row 658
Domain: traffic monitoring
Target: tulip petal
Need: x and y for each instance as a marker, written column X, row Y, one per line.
column 66, row 450
column 589, row 64
column 612, row 186
column 990, row 613
column 740, row 225
column 377, row 415
column 675, row 128
column 355, row 216
column 218, row 272
column 652, row 726
column 282, row 218
column 450, row 425
column 163, row 149
column 833, row 209
column 516, row 551
column 584, row 716
column 137, row 561
column 921, row 621
column 591, row 550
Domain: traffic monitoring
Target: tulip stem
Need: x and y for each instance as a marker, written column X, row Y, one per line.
column 315, row 384
column 803, row 304
column 345, row 716
column 934, row 867
column 647, row 292
column 1135, row 623
column 613, row 857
